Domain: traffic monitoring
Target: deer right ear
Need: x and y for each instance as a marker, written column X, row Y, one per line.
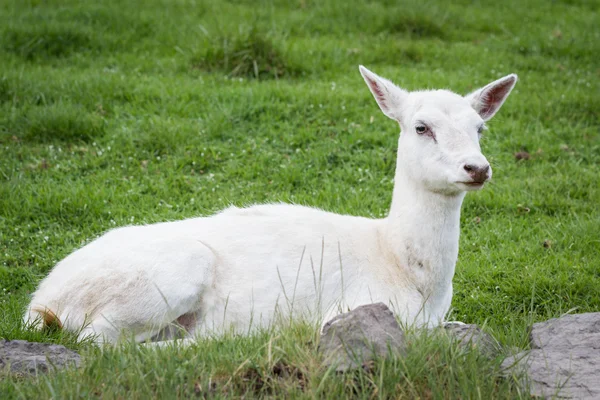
column 389, row 97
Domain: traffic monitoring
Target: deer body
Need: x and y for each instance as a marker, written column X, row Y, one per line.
column 244, row 268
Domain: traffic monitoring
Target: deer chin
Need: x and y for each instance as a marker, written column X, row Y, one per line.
column 471, row 186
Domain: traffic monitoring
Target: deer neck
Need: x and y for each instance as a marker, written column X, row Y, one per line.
column 422, row 232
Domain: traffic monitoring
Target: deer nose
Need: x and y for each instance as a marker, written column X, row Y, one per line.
column 479, row 173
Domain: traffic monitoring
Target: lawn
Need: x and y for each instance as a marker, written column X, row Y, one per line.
column 116, row 113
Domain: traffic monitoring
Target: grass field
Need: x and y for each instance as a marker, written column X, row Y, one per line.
column 116, row 113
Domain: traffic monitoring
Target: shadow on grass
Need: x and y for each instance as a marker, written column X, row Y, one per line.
column 63, row 122
column 6, row 91
column 46, row 42
column 414, row 25
column 252, row 55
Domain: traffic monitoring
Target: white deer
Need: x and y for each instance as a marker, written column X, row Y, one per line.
column 242, row 268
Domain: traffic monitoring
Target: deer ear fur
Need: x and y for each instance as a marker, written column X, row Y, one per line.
column 389, row 97
column 488, row 100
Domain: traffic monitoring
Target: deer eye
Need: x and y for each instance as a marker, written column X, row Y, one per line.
column 421, row 129
column 480, row 129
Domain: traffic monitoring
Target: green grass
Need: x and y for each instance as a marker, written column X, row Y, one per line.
column 114, row 113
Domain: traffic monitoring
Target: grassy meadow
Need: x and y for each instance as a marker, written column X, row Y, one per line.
column 131, row 112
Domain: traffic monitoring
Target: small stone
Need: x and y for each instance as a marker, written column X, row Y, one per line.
column 472, row 337
column 356, row 338
column 31, row 358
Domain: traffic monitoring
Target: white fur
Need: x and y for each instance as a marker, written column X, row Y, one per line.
column 241, row 268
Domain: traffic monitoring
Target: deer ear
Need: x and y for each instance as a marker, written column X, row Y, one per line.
column 488, row 100
column 389, row 97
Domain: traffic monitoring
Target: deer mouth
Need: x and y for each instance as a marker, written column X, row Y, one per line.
column 473, row 183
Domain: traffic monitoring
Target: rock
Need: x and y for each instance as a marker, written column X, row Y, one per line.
column 472, row 337
column 21, row 356
column 565, row 358
column 353, row 339
column 569, row 331
column 561, row 373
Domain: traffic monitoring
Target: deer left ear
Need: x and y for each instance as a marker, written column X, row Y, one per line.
column 488, row 100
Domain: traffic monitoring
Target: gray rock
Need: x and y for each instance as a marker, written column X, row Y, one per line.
column 353, row 339
column 559, row 373
column 30, row 358
column 472, row 337
column 577, row 330
column 565, row 358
